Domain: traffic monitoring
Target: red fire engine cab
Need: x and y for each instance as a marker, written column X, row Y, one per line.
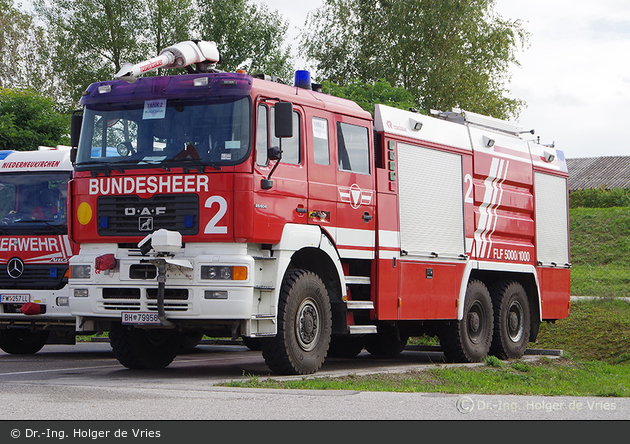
column 34, row 250
column 225, row 204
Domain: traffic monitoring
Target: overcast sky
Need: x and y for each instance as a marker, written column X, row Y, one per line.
column 575, row 76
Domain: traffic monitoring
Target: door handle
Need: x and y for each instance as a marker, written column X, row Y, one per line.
column 367, row 217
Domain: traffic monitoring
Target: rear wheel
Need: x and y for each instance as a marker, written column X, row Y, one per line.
column 251, row 343
column 387, row 342
column 136, row 348
column 512, row 321
column 469, row 340
column 345, row 346
column 304, row 326
column 22, row 342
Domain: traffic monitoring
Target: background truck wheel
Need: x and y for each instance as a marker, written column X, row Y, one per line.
column 304, row 326
column 469, row 340
column 387, row 342
column 345, row 346
column 190, row 339
column 512, row 320
column 136, row 348
column 251, row 343
column 22, row 342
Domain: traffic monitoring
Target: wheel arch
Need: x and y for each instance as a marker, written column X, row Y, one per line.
column 526, row 276
column 314, row 250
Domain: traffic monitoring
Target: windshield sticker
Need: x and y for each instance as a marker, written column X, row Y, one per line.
column 154, row 109
column 226, row 156
column 232, row 144
column 320, row 129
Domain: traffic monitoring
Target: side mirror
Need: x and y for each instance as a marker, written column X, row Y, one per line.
column 75, row 129
column 274, row 153
column 283, row 119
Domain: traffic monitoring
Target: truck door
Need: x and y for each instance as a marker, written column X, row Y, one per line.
column 322, row 171
column 286, row 201
column 355, row 198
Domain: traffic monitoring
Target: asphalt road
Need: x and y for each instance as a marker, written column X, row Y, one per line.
column 86, row 382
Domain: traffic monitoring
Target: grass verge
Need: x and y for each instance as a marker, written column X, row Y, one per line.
column 595, row 337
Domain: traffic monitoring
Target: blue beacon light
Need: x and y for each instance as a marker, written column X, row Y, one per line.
column 303, row 79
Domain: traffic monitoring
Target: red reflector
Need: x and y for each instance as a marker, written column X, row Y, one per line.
column 31, row 308
column 105, row 262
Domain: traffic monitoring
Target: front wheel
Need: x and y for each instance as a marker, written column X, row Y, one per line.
column 22, row 342
column 136, row 348
column 469, row 340
column 304, row 326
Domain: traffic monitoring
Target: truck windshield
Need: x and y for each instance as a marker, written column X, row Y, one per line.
column 167, row 132
column 33, row 203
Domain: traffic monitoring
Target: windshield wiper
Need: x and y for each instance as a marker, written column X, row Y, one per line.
column 47, row 222
column 108, row 165
column 198, row 163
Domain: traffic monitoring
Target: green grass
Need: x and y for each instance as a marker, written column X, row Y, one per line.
column 595, row 338
column 545, row 377
column 600, row 251
column 593, row 331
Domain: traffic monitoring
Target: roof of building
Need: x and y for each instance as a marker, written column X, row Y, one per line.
column 599, row 172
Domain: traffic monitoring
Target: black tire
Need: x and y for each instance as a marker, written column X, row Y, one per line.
column 136, row 348
column 251, row 343
column 190, row 339
column 22, row 342
column 387, row 342
column 345, row 346
column 304, row 326
column 512, row 320
column 469, row 340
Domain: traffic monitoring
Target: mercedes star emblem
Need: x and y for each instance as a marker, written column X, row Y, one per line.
column 15, row 267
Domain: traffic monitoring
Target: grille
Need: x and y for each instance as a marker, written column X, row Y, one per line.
column 35, row 277
column 128, row 299
column 133, row 216
column 142, row 271
column 180, row 294
column 121, row 293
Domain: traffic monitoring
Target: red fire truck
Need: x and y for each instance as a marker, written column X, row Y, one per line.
column 228, row 204
column 34, row 250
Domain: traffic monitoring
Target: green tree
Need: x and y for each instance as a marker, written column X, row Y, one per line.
column 448, row 53
column 23, row 50
column 367, row 95
column 92, row 39
column 28, row 120
column 246, row 34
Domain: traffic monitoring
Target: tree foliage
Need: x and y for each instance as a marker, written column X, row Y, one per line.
column 28, row 120
column 366, row 95
column 247, row 34
column 94, row 38
column 23, row 45
column 448, row 53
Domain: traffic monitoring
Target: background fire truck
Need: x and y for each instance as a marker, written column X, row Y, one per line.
column 226, row 204
column 34, row 250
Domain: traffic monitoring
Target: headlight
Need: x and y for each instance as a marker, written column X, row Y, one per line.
column 80, row 271
column 225, row 273
column 80, row 292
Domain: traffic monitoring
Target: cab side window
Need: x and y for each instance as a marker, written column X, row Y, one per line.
column 321, row 151
column 353, row 148
column 262, row 139
column 265, row 137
